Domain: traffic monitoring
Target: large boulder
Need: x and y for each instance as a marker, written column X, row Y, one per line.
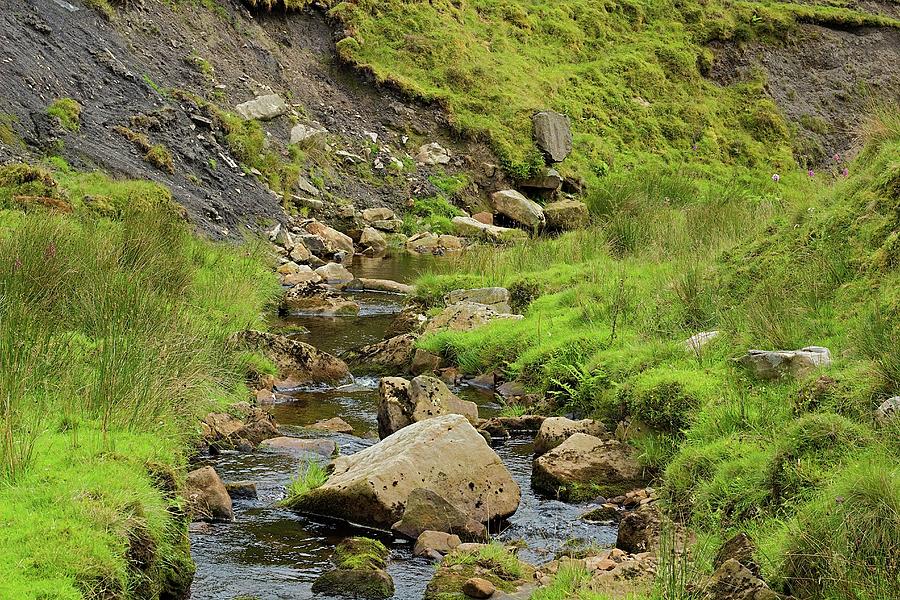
column 428, row 511
column 207, row 498
column 373, row 241
column 547, row 180
column 552, row 134
column 495, row 297
column 773, row 364
column 566, row 215
column 315, row 299
column 298, row 363
column 423, row 398
column 390, row 355
column 471, row 227
column 734, row 581
column 262, row 107
column 555, row 430
column 518, row 208
column 444, row 454
column 333, row 240
column 584, row 464
column 465, row 316
column 226, row 432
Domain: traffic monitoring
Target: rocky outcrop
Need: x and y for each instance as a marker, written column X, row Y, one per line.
column 465, row 316
column 567, row 215
column 430, row 243
column 390, row 355
column 548, row 180
column 444, row 454
column 360, row 572
column 518, row 208
column 402, row 403
column 333, row 241
column 224, row 431
column 495, row 297
column 262, row 107
column 552, row 134
column 298, row 363
column 773, row 364
column 373, row 242
column 427, row 510
column 206, row 496
column 555, row 430
column 696, row 342
column 639, row 530
column 315, row 299
column 301, row 132
column 734, row 581
column 584, row 465
column 741, row 548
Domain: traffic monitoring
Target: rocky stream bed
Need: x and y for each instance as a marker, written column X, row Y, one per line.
column 270, row 552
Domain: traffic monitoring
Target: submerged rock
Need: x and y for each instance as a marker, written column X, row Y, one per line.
column 318, row 300
column 334, row 424
column 586, row 465
column 298, row 363
column 206, row 496
column 244, row 490
column 402, row 403
column 772, row 364
column 324, row 448
column 392, row 355
column 555, row 430
column 444, row 454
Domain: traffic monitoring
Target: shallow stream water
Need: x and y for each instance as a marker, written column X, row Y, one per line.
column 271, row 553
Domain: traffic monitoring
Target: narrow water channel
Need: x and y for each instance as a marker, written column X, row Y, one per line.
column 269, row 553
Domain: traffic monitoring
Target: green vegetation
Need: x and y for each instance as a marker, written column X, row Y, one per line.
column 100, row 404
column 360, row 553
column 434, row 214
column 68, row 111
column 155, row 154
column 493, row 562
column 311, row 476
column 798, row 464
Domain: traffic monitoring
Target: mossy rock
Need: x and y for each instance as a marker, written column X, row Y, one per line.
column 372, row 584
column 490, row 561
column 360, row 553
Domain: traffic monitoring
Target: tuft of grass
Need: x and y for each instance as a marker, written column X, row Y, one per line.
column 68, row 112
column 311, row 476
column 156, row 154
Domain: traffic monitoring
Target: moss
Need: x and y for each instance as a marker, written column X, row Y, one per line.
column 666, row 399
column 493, row 562
column 360, row 553
column 155, row 154
column 68, row 112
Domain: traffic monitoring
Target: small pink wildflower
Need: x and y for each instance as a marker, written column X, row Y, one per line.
column 811, row 173
column 837, row 158
column 845, row 172
column 18, row 264
column 776, row 177
column 51, row 250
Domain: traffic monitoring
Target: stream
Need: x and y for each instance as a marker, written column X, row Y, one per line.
column 269, row 553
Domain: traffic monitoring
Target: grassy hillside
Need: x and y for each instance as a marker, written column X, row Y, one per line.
column 113, row 318
column 629, row 74
column 799, row 464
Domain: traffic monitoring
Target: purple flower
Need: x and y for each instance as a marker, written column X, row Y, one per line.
column 837, row 158
column 811, row 173
column 845, row 172
column 695, row 147
column 776, row 177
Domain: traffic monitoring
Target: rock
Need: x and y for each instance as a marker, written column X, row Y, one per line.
column 451, row 242
column 444, row 454
column 288, row 268
column 740, row 548
column 518, row 208
column 304, row 275
column 495, row 297
column 360, row 571
column 372, row 238
column 423, row 242
column 206, row 496
column 430, row 542
column 324, row 448
column 555, row 430
column 380, row 285
column 888, row 410
column 552, row 134
column 305, row 185
column 476, row 587
column 262, row 107
column 423, row 398
column 334, row 424
column 502, row 426
column 512, row 389
column 465, row 316
column 225, row 431
column 603, row 467
column 469, row 227
column 547, row 181
column 243, row 490
column 393, row 413
column 424, row 361
column 300, row 132
column 484, row 217
column 298, row 363
column 390, row 355
column 265, row 396
column 608, row 513
column 427, row 510
column 639, row 530
column 389, row 225
column 315, row 299
column 332, row 240
column 567, row 215
column 773, row 364
column 734, row 581
column 334, row 273
column 696, row 342
column 300, row 254
column 372, row 215
column 432, row 154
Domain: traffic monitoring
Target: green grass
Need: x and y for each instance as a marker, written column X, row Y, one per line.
column 770, row 266
column 68, row 111
column 433, row 213
column 311, row 475
column 112, row 338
